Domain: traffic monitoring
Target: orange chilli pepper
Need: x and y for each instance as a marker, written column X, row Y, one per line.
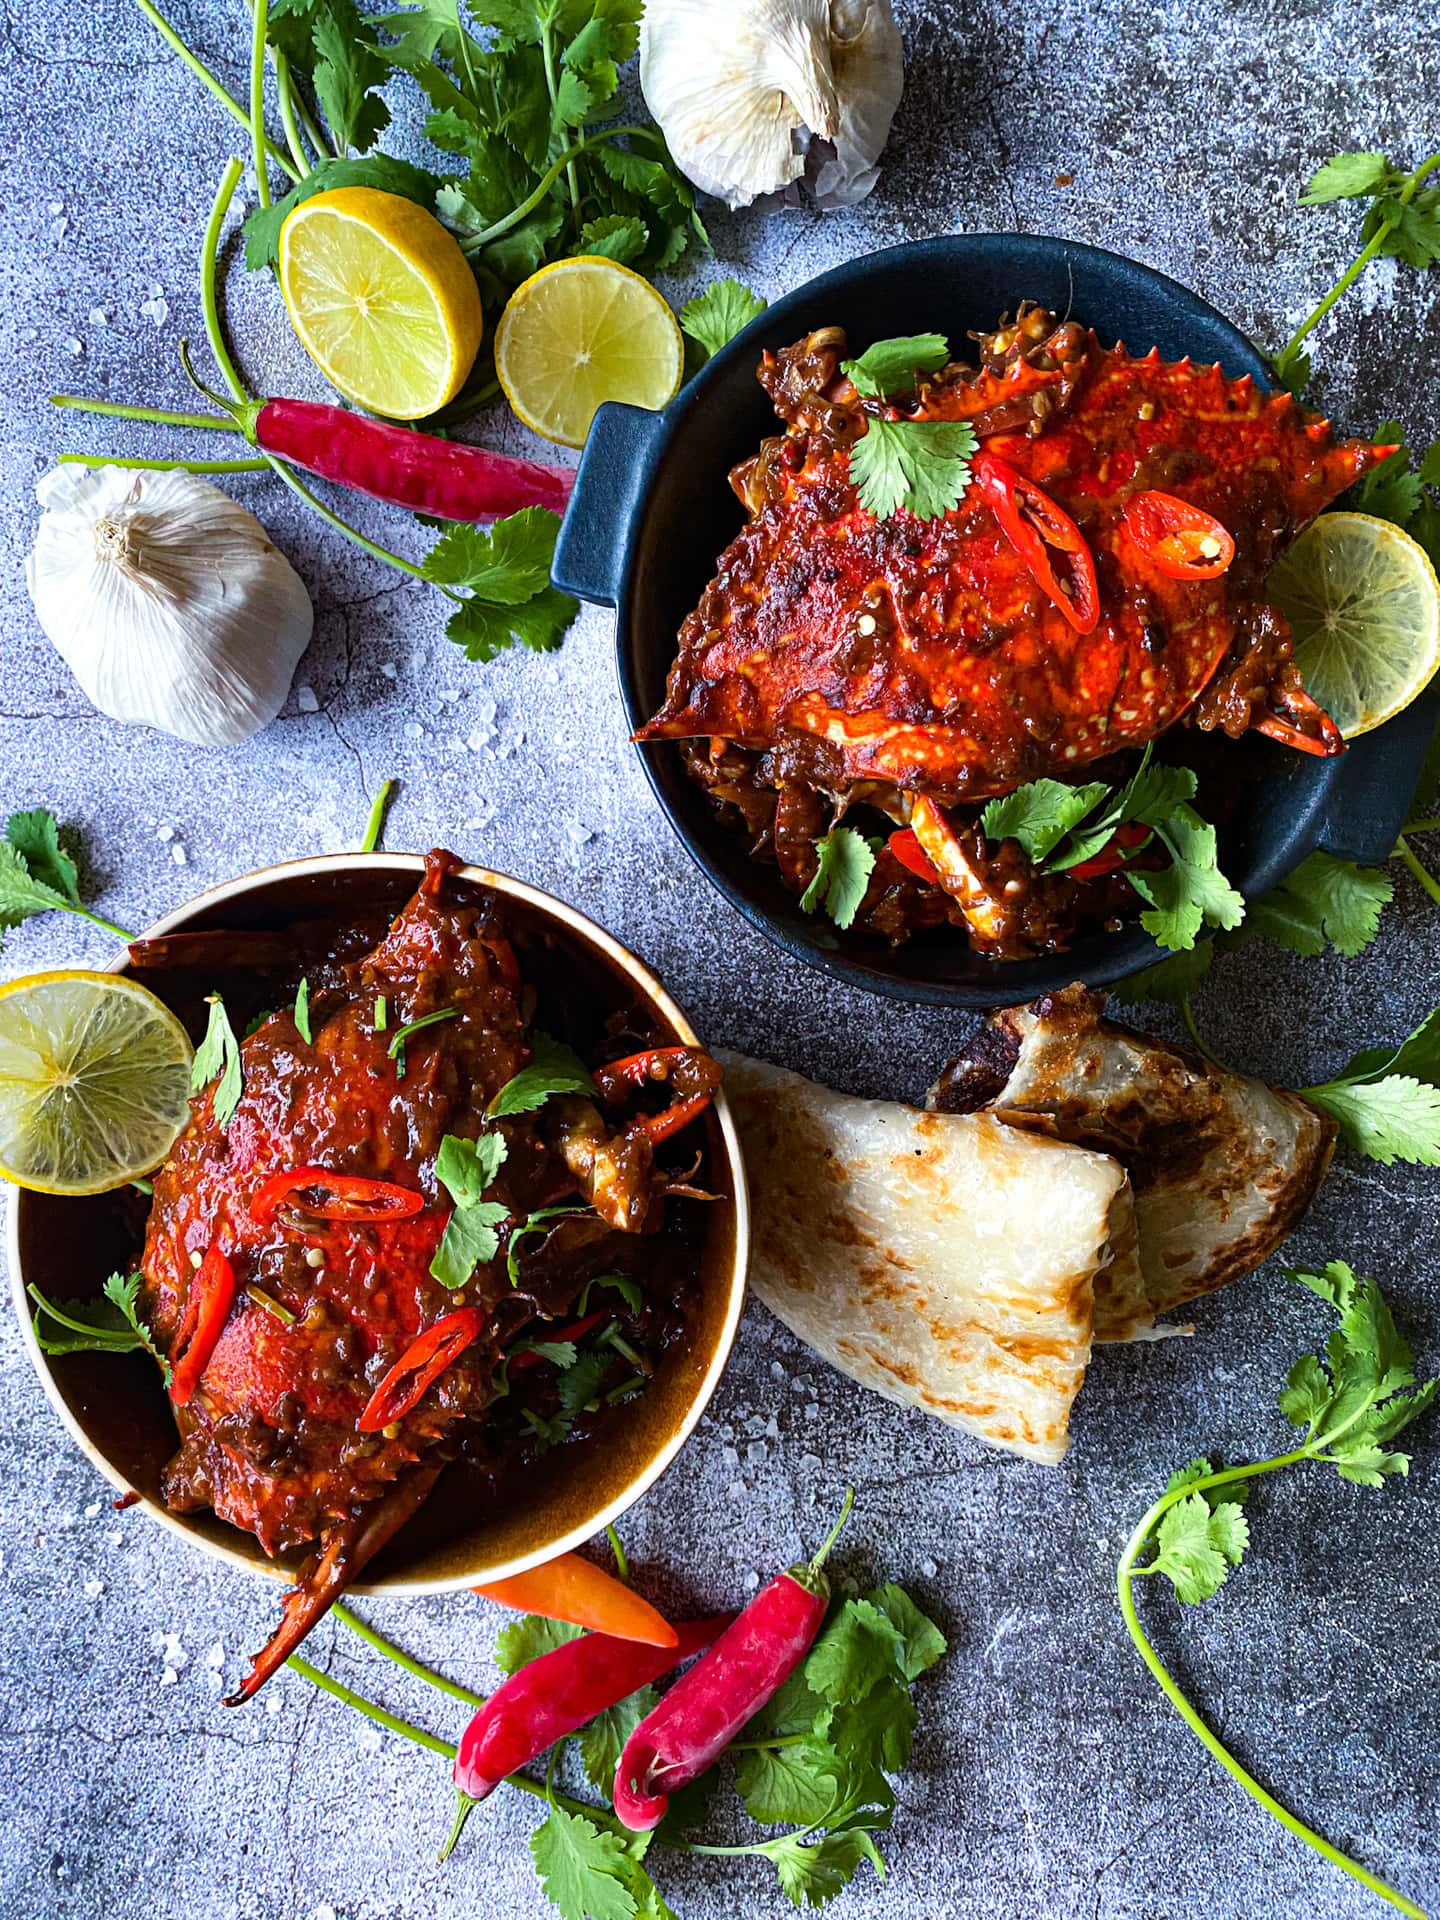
column 1183, row 541
column 422, row 1363
column 350, row 1196
column 575, row 1589
column 206, row 1310
column 911, row 855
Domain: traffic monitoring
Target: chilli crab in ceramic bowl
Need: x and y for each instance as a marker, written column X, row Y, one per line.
column 444, row 1265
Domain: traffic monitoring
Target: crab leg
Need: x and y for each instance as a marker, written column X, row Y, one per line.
column 344, row 1550
column 662, row 1063
column 941, row 846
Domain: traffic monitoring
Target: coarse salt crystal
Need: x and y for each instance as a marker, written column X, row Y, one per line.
column 99, row 316
column 92, row 1510
column 175, row 1654
column 179, row 855
column 164, row 833
column 751, row 1581
column 389, row 669
column 809, row 1459
column 216, row 1656
column 450, row 693
column 157, row 309
column 114, row 1539
column 414, row 730
column 812, row 1411
column 272, row 1703
column 929, row 1569
column 479, row 739
column 169, row 1677
column 777, row 1368
column 755, row 1452
column 94, row 1589
column 307, row 699
column 74, row 347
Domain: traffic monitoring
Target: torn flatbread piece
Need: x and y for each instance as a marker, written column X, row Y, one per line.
column 1222, row 1167
column 946, row 1262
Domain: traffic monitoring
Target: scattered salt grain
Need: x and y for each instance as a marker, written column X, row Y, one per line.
column 92, row 1510
column 157, row 309
column 272, row 1703
column 735, row 1490
column 577, row 833
column 450, row 694
column 216, row 1656
column 179, row 855
column 727, row 1433
column 57, row 206
column 414, row 730
column 812, row 1411
column 809, row 1459
column 479, row 738
column 169, row 1677
column 59, row 228
column 751, row 1581
column 777, row 1369
column 164, row 833
column 323, row 1913
column 307, row 699
column 772, row 1428
column 755, row 1453
column 74, row 348
column 929, row 1569
column 730, row 1456
column 114, row 1539
column 175, row 1654
column 94, row 1589
column 99, row 316
column 370, row 1739
column 389, row 669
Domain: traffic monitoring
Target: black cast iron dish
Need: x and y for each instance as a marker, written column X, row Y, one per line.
column 652, row 509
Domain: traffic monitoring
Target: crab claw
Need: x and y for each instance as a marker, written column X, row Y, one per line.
column 691, row 1071
column 344, row 1550
column 1304, row 724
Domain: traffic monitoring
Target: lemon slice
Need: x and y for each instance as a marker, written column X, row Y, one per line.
column 94, row 1081
column 580, row 332
column 382, row 298
column 1364, row 604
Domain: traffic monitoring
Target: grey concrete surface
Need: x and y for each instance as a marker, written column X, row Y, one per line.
column 1050, row 1778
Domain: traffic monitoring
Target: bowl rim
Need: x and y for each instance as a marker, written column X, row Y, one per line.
column 655, row 993
column 1101, row 959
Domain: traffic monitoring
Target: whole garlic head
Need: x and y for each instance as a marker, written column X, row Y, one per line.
column 168, row 601
column 737, row 88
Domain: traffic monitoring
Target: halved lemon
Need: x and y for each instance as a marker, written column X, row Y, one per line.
column 1364, row 604
column 581, row 332
column 94, row 1081
column 382, row 298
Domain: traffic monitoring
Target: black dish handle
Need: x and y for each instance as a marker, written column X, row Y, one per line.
column 595, row 535
column 1370, row 801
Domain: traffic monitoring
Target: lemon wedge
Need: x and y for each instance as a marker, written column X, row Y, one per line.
column 382, row 298
column 1362, row 599
column 94, row 1081
column 581, row 332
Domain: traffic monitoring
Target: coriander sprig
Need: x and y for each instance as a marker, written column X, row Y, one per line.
column 1351, row 1406
column 38, row 876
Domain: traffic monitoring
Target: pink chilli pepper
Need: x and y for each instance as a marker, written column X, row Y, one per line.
column 706, row 1708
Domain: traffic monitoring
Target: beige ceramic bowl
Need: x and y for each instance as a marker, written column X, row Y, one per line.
column 114, row 1406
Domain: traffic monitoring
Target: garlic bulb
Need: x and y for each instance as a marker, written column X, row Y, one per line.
column 740, row 91
column 168, row 601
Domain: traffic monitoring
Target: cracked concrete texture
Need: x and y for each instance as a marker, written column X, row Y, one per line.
column 1050, row 1777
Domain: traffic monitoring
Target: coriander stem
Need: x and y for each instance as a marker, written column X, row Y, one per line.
column 163, row 466
column 202, row 73
column 1124, row 1577
column 97, row 920
column 144, row 1186
column 1422, row 826
column 209, row 297
column 379, row 1715
column 402, row 1659
column 547, row 48
column 258, row 142
column 375, row 825
column 161, row 416
column 353, row 534
column 1342, row 286
column 475, row 241
column 1403, row 851
column 622, row 1565
column 284, row 88
column 1187, row 1014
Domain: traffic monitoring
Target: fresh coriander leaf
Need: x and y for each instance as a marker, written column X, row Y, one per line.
column 1418, row 1055
column 380, row 170
column 789, row 1786
column 859, row 1647
column 871, row 1734
column 1040, row 814
column 553, row 1068
column 218, row 1058
column 536, row 1223
column 1396, row 1118
column 628, row 1290
column 1186, row 1476
column 921, row 1641
column 603, row 1740
column 21, row 895
column 1325, row 899
column 1308, row 1392
column 471, row 1239
column 88, row 1326
column 1191, row 891
column 1406, row 230
column 508, row 564
column 344, row 77
column 813, row 1872
column 1292, row 367
column 35, row 836
column 580, row 1384
column 890, row 366
column 1172, row 979
column 529, row 1637
column 690, row 1807
column 713, row 318
column 1349, row 176
column 615, row 236
column 795, row 1708
column 1198, row 1544
column 485, row 631
column 920, row 466
column 467, row 1167
column 302, row 1013
column 843, row 876
column 580, row 1868
column 1391, row 491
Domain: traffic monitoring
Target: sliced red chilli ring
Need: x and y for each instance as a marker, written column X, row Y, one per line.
column 336, row 1196
column 211, row 1292
column 1182, row 541
column 421, row 1364
column 530, row 1358
column 1042, row 532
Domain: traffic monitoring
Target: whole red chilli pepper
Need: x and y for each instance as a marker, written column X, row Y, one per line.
column 560, row 1692
column 706, row 1708
column 408, row 469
